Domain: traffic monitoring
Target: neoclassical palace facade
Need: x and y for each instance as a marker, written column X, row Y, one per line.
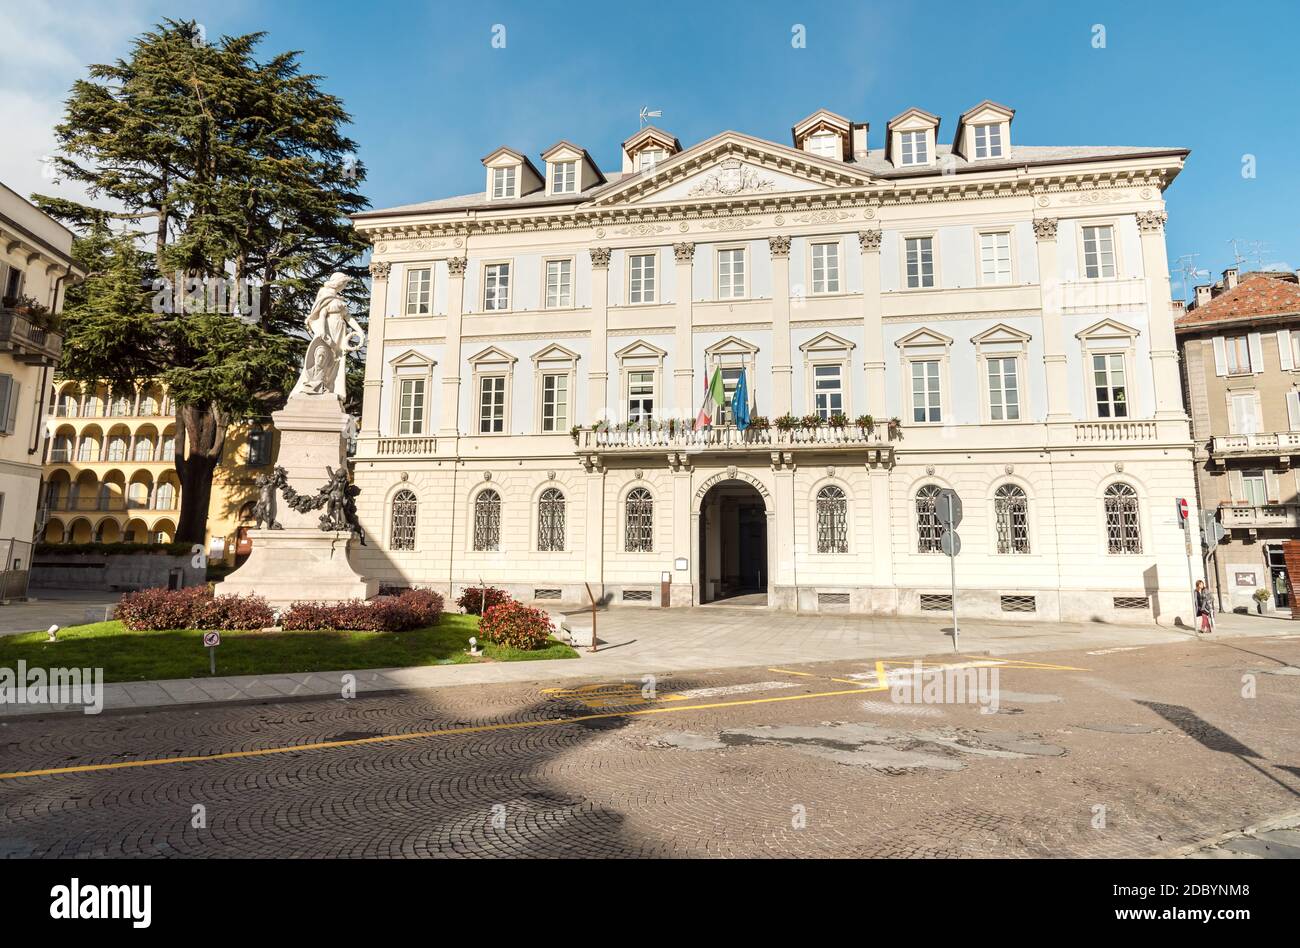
column 970, row 313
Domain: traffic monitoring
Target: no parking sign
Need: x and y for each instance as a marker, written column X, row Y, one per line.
column 210, row 641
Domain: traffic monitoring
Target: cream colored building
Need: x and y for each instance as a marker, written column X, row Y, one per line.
column 537, row 350
column 36, row 268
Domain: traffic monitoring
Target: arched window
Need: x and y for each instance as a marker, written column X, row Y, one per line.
column 121, row 405
column 117, row 448
column 169, row 448
column 105, row 497
column 550, row 521
column 929, row 534
column 89, row 449
column 487, row 521
column 832, row 520
column 143, row 450
column 402, row 536
column 639, row 528
column 1011, row 510
column 68, row 405
column 62, row 450
column 137, row 495
column 165, row 497
column 1123, row 534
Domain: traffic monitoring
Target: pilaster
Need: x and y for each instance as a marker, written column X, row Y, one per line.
column 1049, row 284
column 782, row 369
column 373, row 393
column 598, row 375
column 1160, row 315
column 873, row 335
column 684, row 370
column 449, row 424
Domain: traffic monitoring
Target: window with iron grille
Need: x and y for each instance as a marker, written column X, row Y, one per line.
column 936, row 602
column 547, row 594
column 636, row 595
column 1012, row 509
column 402, row 535
column 487, row 521
column 639, row 526
column 1131, row 602
column 832, row 520
column 550, row 521
column 1123, row 534
column 1019, row 604
column 929, row 534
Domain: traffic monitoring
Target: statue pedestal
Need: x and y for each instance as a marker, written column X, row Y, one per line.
column 298, row 564
column 302, row 562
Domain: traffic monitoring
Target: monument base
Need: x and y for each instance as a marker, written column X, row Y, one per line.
column 298, row 564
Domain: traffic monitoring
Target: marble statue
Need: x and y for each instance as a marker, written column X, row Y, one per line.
column 334, row 333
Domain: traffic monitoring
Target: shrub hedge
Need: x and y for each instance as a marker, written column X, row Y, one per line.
column 411, row 609
column 154, row 610
column 476, row 599
column 515, row 625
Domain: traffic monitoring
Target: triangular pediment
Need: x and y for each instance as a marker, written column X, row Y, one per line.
column 490, row 355
column 826, row 342
column 924, row 337
column 733, row 167
column 640, row 350
column 1000, row 333
column 555, row 353
column 1107, row 329
column 732, row 345
column 411, row 359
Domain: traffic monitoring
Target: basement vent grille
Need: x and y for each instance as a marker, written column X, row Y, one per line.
column 1019, row 604
column 546, row 594
column 1132, row 602
column 636, row 595
column 832, row 601
column 935, row 602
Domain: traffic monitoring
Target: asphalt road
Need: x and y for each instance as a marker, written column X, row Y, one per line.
column 1111, row 752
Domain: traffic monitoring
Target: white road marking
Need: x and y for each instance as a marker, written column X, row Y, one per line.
column 733, row 689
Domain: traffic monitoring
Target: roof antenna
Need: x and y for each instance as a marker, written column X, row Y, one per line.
column 1237, row 258
column 647, row 113
column 1186, row 265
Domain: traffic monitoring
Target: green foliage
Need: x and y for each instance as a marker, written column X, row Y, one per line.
column 110, row 549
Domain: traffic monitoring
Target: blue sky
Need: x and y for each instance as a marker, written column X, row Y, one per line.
column 431, row 95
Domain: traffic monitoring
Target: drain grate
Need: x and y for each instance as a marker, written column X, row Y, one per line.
column 1132, row 602
column 546, row 594
column 832, row 602
column 1019, row 604
column 636, row 595
column 936, row 602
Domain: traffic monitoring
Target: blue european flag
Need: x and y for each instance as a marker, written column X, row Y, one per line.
column 740, row 403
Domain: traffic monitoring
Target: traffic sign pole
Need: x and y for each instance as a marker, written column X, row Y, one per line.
column 948, row 511
column 952, row 564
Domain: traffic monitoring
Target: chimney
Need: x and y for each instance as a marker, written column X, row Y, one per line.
column 1230, row 279
column 1202, row 294
column 859, row 149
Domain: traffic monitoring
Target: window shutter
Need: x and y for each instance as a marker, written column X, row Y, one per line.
column 1256, row 353
column 11, row 413
column 1293, row 409
column 1236, row 487
column 1220, row 356
column 6, row 400
column 1270, row 487
column 1284, row 349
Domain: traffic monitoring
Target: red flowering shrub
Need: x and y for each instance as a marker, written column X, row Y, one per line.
column 153, row 610
column 515, row 625
column 412, row 609
column 476, row 599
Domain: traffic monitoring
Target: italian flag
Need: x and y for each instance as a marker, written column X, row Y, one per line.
column 714, row 394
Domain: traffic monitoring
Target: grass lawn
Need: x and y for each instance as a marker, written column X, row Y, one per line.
column 139, row 656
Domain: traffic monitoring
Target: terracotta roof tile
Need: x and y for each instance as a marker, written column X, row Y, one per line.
column 1256, row 295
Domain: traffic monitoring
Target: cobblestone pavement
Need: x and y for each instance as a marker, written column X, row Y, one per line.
column 1138, row 751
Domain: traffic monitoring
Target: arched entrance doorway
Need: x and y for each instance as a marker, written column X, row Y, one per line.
column 733, row 542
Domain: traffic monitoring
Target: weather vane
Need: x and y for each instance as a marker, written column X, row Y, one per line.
column 647, row 113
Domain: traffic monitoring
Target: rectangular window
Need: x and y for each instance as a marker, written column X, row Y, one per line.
column 410, row 412
column 1254, row 488
column 492, row 404
column 920, row 262
column 828, row 390
column 640, row 395
column 559, row 284
column 925, row 391
column 555, row 403
column 826, row 268
column 418, row 282
column 731, row 274
column 649, row 157
column 995, row 258
column 826, row 144
column 503, row 182
column 1004, row 390
column 730, row 379
column 988, row 141
column 1237, row 350
column 915, row 148
column 641, row 278
column 1108, row 382
column 564, row 177
column 496, row 287
column 1244, row 417
column 1099, row 252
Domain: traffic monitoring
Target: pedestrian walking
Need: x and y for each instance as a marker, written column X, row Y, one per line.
column 1204, row 607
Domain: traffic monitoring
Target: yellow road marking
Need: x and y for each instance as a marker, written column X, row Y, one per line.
column 442, row 732
column 844, row 681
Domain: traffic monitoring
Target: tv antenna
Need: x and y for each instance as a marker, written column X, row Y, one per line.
column 1186, row 266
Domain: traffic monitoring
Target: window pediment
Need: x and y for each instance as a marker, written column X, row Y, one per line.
column 731, row 346
column 1108, row 329
column 640, row 350
column 1001, row 333
column 923, row 337
column 555, row 354
column 826, row 342
column 411, row 359
column 492, row 356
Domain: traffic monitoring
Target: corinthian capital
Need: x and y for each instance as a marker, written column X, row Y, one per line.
column 599, row 258
column 780, row 246
column 456, row 266
column 1152, row 222
column 379, row 269
column 684, row 252
column 1045, row 228
column 869, row 239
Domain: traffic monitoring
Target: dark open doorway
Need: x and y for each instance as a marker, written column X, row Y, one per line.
column 733, row 543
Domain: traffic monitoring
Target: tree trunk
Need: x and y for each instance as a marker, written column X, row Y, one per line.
column 200, row 439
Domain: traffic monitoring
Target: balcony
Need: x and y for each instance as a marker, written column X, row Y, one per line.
column 875, row 447
column 28, row 342
column 1281, row 444
column 410, row 447
column 1250, row 518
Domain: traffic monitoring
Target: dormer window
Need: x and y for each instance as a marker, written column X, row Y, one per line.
column 505, row 182
column 825, row 144
column 988, row 141
column 647, row 158
column 914, row 148
column 564, row 177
